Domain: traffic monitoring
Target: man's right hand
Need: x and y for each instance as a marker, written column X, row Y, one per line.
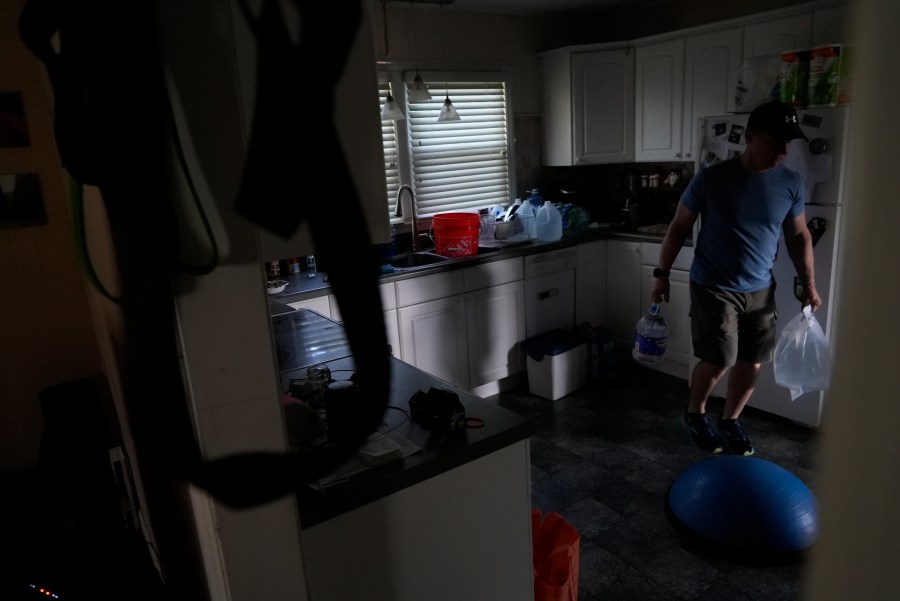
column 660, row 290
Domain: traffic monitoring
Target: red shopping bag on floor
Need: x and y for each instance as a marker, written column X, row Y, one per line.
column 555, row 550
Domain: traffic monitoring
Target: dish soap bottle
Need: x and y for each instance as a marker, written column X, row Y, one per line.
column 651, row 334
column 549, row 222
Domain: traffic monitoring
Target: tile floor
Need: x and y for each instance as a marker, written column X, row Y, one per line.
column 604, row 457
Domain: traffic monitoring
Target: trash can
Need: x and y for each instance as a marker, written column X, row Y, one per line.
column 556, row 363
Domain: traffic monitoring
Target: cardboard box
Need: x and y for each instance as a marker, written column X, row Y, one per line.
column 556, row 363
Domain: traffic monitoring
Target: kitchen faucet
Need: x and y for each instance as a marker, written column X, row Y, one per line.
column 412, row 210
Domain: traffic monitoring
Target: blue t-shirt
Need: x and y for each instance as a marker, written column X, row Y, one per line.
column 741, row 216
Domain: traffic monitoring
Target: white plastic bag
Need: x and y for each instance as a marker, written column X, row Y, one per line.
column 802, row 355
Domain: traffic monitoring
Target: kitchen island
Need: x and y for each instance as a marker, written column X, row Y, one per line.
column 451, row 520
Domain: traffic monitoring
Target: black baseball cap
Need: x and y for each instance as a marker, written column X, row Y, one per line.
column 778, row 119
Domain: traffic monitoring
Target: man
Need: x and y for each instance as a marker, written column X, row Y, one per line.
column 745, row 203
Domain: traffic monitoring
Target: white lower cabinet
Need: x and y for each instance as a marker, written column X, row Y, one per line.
column 590, row 283
column 319, row 304
column 433, row 338
column 495, row 321
column 464, row 326
column 462, row 534
column 624, row 304
column 327, row 306
column 676, row 314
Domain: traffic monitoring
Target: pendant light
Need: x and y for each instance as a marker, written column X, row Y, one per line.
column 448, row 111
column 417, row 92
column 390, row 110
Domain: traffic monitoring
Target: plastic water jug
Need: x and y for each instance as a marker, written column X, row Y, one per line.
column 548, row 222
column 535, row 199
column 526, row 214
column 651, row 334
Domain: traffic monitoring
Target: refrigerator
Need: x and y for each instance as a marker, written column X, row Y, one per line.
column 822, row 162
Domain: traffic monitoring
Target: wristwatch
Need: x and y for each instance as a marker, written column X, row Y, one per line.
column 660, row 273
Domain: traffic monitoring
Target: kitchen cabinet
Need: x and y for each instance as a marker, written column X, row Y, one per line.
column 327, row 306
column 319, row 304
column 678, row 81
column 433, row 338
column 495, row 321
column 623, row 290
column 774, row 36
column 676, row 312
column 464, row 326
column 712, row 68
column 476, row 520
column 589, row 106
column 659, row 77
column 590, row 283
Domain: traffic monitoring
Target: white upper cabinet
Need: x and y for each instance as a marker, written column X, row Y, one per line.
column 712, row 66
column 679, row 81
column 659, row 80
column 777, row 35
column 588, row 106
column 603, row 106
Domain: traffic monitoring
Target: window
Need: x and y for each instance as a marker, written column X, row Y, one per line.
column 451, row 166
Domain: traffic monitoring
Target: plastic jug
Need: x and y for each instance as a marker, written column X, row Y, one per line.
column 535, row 199
column 526, row 215
column 548, row 222
column 651, row 335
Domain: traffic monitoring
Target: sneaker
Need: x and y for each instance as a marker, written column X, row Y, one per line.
column 735, row 438
column 702, row 435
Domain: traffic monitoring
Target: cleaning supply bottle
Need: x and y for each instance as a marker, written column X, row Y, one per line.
column 650, row 337
column 548, row 222
column 535, row 199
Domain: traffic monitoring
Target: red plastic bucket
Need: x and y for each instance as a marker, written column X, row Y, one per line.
column 456, row 234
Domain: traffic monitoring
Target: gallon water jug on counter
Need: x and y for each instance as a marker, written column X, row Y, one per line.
column 650, row 337
column 526, row 216
column 548, row 222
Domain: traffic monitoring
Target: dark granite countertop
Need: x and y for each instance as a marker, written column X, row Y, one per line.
column 440, row 452
column 301, row 287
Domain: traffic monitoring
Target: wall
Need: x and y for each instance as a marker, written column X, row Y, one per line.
column 46, row 331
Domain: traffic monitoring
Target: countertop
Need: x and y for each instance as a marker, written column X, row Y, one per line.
column 440, row 452
column 301, row 287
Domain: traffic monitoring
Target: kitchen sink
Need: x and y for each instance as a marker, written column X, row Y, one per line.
column 418, row 259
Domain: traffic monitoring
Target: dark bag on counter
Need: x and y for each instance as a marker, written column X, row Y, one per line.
column 438, row 409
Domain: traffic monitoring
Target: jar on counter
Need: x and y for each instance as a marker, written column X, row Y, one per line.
column 294, row 265
column 273, row 268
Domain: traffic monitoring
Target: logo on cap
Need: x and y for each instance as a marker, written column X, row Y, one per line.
column 790, row 119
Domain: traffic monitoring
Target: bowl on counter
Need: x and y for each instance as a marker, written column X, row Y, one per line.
column 276, row 286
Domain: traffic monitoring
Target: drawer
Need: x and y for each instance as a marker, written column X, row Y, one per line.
column 650, row 256
column 493, row 274
column 430, row 287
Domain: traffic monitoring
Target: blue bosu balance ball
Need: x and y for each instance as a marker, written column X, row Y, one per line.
column 745, row 504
